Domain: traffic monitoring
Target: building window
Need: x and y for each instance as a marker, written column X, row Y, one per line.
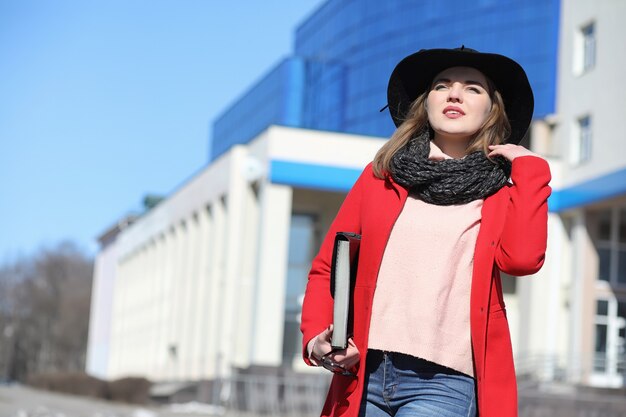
column 610, row 338
column 608, row 230
column 589, row 47
column 580, row 151
column 585, row 49
column 302, row 244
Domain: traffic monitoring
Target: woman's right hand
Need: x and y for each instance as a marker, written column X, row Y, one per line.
column 347, row 358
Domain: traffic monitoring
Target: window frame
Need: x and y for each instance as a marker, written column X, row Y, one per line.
column 615, row 247
column 582, row 140
column 585, row 48
column 610, row 358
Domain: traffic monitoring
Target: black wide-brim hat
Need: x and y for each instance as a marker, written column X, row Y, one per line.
column 414, row 75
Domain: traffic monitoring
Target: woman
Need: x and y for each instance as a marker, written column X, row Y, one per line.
column 448, row 202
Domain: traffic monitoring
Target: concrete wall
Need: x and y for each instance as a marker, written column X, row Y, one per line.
column 98, row 348
column 599, row 92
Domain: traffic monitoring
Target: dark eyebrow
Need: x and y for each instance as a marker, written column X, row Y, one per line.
column 475, row 82
column 446, row 80
column 441, row 80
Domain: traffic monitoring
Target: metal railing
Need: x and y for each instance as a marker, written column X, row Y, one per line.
column 547, row 387
column 273, row 395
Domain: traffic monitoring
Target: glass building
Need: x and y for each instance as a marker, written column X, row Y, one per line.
column 336, row 79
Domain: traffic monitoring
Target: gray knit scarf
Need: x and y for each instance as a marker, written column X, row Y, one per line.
column 451, row 181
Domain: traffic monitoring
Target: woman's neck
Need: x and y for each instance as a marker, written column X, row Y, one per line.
column 454, row 147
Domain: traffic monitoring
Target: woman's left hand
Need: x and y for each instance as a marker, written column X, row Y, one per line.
column 509, row 151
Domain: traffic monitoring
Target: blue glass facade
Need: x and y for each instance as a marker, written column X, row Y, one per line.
column 345, row 52
column 275, row 99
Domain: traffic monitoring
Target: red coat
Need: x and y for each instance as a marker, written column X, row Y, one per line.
column 512, row 239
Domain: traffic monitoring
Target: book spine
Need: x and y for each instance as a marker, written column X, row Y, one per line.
column 341, row 296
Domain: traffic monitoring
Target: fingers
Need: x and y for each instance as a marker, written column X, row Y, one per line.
column 495, row 150
column 508, row 151
column 352, row 358
column 322, row 344
column 498, row 149
column 509, row 147
column 348, row 357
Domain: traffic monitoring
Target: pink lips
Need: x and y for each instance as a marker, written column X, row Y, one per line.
column 453, row 112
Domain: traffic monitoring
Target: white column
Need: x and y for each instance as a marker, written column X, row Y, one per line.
column 248, row 266
column 200, row 296
column 557, row 238
column 131, row 312
column 217, row 282
column 206, row 292
column 115, row 305
column 275, row 219
column 184, row 300
column 579, row 238
column 152, row 308
column 181, row 280
column 232, row 298
column 173, row 356
column 167, row 303
column 164, row 291
column 159, row 279
column 119, row 316
column 192, row 317
column 137, row 308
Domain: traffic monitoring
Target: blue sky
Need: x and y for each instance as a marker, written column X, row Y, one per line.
column 102, row 102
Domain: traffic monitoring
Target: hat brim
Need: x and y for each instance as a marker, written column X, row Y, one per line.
column 414, row 74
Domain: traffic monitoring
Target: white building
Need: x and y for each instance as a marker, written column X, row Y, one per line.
column 589, row 244
column 210, row 280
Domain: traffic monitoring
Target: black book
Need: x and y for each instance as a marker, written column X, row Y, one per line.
column 342, row 279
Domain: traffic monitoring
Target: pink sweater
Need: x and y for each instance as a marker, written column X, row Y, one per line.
column 422, row 298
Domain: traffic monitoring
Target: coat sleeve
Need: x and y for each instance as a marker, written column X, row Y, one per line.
column 522, row 246
column 317, row 307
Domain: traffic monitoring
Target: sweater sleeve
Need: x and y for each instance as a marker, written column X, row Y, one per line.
column 317, row 307
column 522, row 246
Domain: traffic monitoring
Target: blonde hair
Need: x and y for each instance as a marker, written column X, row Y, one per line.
column 494, row 131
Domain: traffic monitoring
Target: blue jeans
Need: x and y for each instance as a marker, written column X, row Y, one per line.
column 402, row 385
